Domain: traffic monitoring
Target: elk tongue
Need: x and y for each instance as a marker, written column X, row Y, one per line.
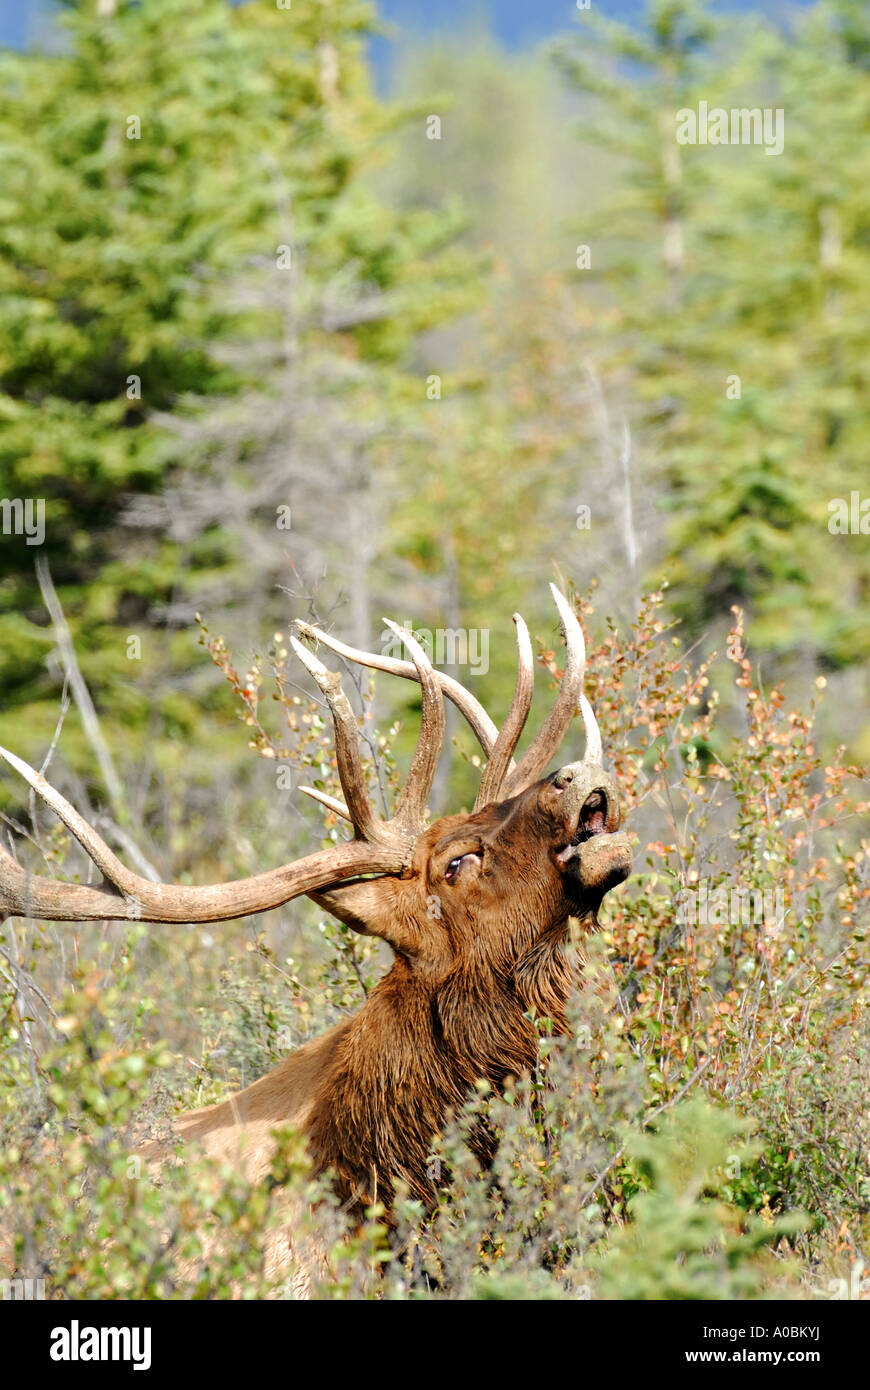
column 599, row 860
column 573, row 846
column 591, row 821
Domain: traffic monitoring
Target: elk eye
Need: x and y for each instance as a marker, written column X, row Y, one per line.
column 453, row 867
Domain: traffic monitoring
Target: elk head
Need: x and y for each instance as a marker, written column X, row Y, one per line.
column 491, row 885
column 475, row 907
column 494, row 886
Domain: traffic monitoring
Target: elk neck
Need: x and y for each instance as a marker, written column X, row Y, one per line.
column 413, row 1053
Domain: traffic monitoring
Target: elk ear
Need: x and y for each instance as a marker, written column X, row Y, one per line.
column 373, row 906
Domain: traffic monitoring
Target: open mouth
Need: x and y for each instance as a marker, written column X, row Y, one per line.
column 591, row 821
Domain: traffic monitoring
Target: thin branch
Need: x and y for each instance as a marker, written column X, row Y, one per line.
column 80, row 691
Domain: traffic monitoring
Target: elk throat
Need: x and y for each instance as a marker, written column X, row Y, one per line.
column 412, row 1056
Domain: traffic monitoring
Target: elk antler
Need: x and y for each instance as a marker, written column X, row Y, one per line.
column 126, row 897
column 407, row 824
column 379, row 846
column 501, row 778
column 570, row 695
column 470, row 707
column 501, row 757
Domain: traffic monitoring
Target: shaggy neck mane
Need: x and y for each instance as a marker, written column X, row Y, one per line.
column 381, row 1105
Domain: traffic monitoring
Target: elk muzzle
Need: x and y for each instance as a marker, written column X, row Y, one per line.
column 595, row 854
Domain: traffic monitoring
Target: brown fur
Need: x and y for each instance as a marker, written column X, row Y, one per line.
column 472, row 958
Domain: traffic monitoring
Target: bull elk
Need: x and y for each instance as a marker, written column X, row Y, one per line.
column 475, row 907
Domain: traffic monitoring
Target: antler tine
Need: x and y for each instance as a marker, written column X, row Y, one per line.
column 411, row 806
column 109, row 865
column 552, row 731
column 593, row 752
column 125, row 897
column 500, row 758
column 337, row 807
column 469, row 707
column 350, row 768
